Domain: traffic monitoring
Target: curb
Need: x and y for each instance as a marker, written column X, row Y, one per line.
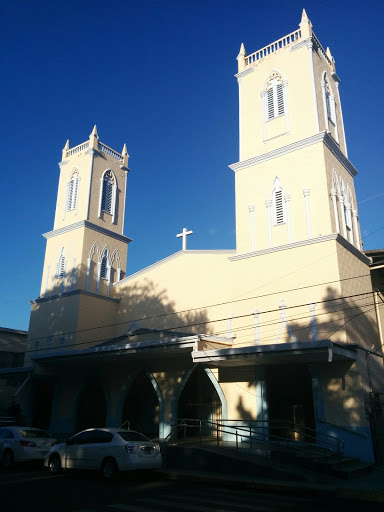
column 278, row 486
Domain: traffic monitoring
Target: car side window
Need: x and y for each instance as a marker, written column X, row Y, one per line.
column 82, row 438
column 100, row 436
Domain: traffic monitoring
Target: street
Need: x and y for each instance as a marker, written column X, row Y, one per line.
column 33, row 488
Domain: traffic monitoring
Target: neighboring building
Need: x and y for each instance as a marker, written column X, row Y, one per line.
column 279, row 329
column 13, row 373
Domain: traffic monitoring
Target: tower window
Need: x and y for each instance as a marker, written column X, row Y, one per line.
column 278, row 204
column 329, row 102
column 104, row 261
column 60, row 268
column 275, row 97
column 73, row 190
column 106, row 197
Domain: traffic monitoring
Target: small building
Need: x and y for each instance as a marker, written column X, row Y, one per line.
column 13, row 373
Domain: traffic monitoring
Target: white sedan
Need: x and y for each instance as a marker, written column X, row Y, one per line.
column 106, row 449
column 20, row 444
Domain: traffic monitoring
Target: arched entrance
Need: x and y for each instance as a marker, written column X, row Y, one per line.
column 92, row 407
column 199, row 400
column 141, row 408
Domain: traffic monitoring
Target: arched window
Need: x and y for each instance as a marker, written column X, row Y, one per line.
column 278, row 204
column 60, row 267
column 104, row 265
column 329, row 100
column 108, row 194
column 275, row 96
column 73, row 191
column 106, row 197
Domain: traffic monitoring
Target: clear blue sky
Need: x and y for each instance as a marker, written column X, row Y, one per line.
column 158, row 75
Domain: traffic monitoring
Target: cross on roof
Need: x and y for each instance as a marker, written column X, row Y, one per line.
column 184, row 234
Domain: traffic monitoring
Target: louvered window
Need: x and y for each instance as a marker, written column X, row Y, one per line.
column 330, row 103
column 73, row 188
column 280, row 99
column 275, row 98
column 61, row 267
column 103, row 272
column 279, row 207
column 106, row 198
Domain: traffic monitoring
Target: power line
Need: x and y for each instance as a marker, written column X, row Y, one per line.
column 196, row 324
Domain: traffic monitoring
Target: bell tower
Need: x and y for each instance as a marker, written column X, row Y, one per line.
column 86, row 251
column 294, row 181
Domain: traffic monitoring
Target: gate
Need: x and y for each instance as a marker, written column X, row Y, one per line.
column 377, row 425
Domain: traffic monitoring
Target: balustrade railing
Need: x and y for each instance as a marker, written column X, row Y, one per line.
column 78, row 148
column 271, row 48
column 109, row 151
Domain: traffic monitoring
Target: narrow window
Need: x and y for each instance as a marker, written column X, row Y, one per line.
column 103, row 271
column 73, row 189
column 60, row 268
column 106, row 197
column 278, row 204
column 275, row 97
column 329, row 103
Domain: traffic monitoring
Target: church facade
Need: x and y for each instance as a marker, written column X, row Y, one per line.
column 283, row 328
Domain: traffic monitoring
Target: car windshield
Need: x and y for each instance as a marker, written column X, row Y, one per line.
column 33, row 433
column 132, row 436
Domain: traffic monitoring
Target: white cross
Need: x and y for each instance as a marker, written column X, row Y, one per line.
column 184, row 234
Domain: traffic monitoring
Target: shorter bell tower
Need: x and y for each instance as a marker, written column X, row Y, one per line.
column 86, row 251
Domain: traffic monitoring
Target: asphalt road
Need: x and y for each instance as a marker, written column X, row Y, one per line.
column 33, row 488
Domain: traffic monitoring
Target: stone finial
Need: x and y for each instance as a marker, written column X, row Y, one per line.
column 125, row 155
column 93, row 138
column 241, row 58
column 305, row 26
column 65, row 149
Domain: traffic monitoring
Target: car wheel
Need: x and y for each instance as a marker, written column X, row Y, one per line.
column 55, row 464
column 109, row 469
column 7, row 459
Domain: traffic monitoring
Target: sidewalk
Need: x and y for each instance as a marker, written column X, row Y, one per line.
column 369, row 487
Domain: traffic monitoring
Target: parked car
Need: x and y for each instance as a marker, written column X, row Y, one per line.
column 106, row 449
column 18, row 444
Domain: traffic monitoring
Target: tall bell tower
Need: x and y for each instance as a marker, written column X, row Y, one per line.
column 294, row 181
column 86, row 251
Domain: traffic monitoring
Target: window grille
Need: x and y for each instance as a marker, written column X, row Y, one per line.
column 279, row 208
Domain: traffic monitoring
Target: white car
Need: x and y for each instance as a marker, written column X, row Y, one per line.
column 20, row 444
column 106, row 449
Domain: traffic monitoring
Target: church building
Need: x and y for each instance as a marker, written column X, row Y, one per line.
column 284, row 328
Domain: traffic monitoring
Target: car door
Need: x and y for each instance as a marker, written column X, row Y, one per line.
column 75, row 450
column 97, row 448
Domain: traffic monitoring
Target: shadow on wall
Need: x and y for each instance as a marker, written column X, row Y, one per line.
column 75, row 320
column 150, row 306
column 347, row 384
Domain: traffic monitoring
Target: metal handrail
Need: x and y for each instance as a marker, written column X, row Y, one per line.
column 261, row 431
